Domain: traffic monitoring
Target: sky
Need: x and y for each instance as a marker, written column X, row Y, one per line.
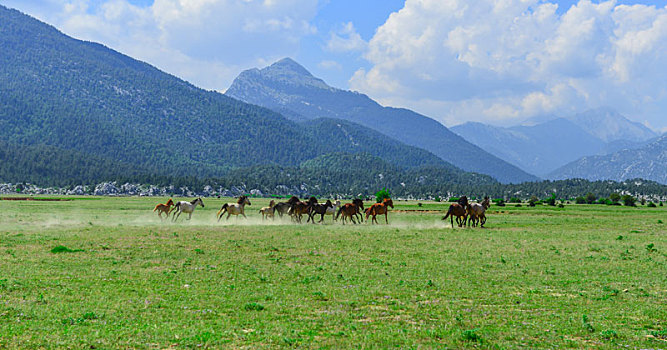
column 494, row 61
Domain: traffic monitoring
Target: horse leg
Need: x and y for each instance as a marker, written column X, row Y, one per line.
column 190, row 216
column 385, row 218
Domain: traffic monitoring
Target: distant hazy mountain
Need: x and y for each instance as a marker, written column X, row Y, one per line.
column 609, row 125
column 290, row 89
column 538, row 149
column 97, row 108
column 648, row 162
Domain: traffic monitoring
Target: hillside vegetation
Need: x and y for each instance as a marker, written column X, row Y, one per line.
column 97, row 105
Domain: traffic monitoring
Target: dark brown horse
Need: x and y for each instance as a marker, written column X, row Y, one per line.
column 379, row 209
column 350, row 210
column 318, row 209
column 298, row 208
column 164, row 208
column 459, row 211
column 281, row 208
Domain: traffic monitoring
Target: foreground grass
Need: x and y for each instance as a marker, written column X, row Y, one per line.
column 108, row 274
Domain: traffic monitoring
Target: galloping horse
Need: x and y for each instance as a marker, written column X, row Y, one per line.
column 319, row 209
column 186, row 207
column 350, row 210
column 379, row 209
column 281, row 208
column 298, row 208
column 164, row 208
column 477, row 212
column 268, row 211
column 333, row 209
column 234, row 208
column 458, row 210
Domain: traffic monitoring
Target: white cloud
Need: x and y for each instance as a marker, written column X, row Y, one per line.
column 508, row 60
column 330, row 65
column 346, row 39
column 207, row 42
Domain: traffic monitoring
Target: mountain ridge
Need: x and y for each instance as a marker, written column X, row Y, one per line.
column 304, row 98
column 648, row 162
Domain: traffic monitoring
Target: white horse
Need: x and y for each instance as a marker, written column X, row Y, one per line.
column 477, row 212
column 234, row 208
column 268, row 211
column 333, row 210
column 186, row 207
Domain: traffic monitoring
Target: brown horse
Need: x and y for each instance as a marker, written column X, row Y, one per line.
column 268, row 211
column 350, row 210
column 237, row 208
column 379, row 209
column 459, row 211
column 164, row 208
column 299, row 208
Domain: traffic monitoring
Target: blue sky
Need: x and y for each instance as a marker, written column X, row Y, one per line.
column 499, row 62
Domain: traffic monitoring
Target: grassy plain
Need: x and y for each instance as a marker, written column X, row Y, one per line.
column 107, row 273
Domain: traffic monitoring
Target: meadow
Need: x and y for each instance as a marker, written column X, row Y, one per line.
column 101, row 273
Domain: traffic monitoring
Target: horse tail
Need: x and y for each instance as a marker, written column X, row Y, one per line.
column 448, row 212
column 339, row 211
column 156, row 208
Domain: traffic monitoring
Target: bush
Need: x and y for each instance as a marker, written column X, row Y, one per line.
column 551, row 200
column 604, row 201
column 580, row 200
column 499, row 202
column 515, row 200
column 590, row 198
column 453, row 199
column 651, row 205
column 614, row 197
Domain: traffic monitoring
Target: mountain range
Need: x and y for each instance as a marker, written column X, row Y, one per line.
column 544, row 145
column 288, row 88
column 94, row 114
column 648, row 162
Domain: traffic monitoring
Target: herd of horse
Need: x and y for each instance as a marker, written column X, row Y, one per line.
column 464, row 211
column 468, row 213
column 294, row 208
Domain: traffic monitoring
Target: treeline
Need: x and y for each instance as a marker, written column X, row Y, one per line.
column 329, row 175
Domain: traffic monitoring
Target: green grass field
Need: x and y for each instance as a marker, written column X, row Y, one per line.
column 107, row 273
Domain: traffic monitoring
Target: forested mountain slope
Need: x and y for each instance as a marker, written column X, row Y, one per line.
column 101, row 107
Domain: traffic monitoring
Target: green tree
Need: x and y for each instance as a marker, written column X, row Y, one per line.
column 629, row 200
column 590, row 198
column 382, row 194
column 614, row 197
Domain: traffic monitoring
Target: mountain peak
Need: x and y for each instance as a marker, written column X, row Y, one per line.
column 288, row 65
column 608, row 125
